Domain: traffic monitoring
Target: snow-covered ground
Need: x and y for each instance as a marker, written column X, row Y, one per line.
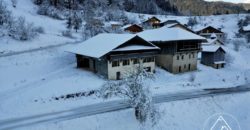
column 52, row 29
column 28, row 82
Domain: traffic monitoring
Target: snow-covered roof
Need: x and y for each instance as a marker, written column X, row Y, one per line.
column 211, row 48
column 212, row 41
column 115, row 22
column 135, row 47
column 170, row 25
column 102, row 44
column 219, row 62
column 246, row 28
column 169, row 34
column 126, row 26
column 213, row 36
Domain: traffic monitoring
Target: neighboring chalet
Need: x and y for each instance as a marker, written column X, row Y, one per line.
column 114, row 55
column 179, row 48
column 208, row 31
column 169, row 22
column 178, row 25
column 213, row 56
column 152, row 22
column 115, row 25
column 132, row 28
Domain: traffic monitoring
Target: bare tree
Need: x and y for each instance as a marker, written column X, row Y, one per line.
column 135, row 89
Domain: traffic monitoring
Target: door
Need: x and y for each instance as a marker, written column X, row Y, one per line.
column 189, row 67
column 118, row 75
column 85, row 63
column 179, row 69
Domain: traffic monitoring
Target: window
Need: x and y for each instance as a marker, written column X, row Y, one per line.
column 115, row 63
column 182, row 57
column 185, row 66
column 189, row 56
column 148, row 59
column 125, row 62
column 135, row 61
column 177, row 57
column 193, row 55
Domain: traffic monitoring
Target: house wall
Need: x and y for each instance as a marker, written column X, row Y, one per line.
column 126, row 69
column 219, row 55
column 165, row 61
column 172, row 64
column 189, row 59
column 207, row 58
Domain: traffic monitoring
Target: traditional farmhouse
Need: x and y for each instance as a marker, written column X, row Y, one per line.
column 132, row 28
column 213, row 56
column 114, row 55
column 179, row 48
column 152, row 22
column 208, row 31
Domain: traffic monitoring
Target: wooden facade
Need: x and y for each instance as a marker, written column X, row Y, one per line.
column 214, row 59
column 133, row 28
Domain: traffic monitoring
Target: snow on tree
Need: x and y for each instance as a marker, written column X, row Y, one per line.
column 5, row 15
column 76, row 21
column 21, row 30
column 93, row 28
column 136, row 90
column 192, row 22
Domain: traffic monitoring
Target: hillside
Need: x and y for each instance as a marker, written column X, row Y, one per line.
column 201, row 7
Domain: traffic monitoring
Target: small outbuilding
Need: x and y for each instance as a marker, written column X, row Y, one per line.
column 214, row 56
column 114, row 55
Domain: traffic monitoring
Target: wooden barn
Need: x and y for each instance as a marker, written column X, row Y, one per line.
column 152, row 22
column 114, row 55
column 208, row 31
column 213, row 56
column 179, row 48
column 132, row 28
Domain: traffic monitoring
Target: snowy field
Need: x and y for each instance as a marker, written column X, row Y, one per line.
column 30, row 82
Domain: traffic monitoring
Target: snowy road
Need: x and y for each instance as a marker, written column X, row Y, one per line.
column 37, row 49
column 114, row 106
